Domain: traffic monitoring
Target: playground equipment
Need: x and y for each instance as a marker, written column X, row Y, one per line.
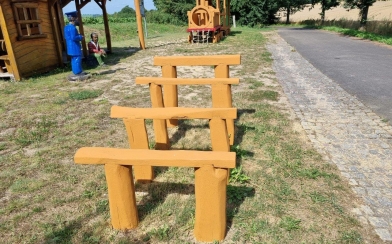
column 124, row 166
column 208, row 23
column 220, row 85
column 211, row 167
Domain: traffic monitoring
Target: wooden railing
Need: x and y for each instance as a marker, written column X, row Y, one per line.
column 211, row 167
column 122, row 166
column 220, row 85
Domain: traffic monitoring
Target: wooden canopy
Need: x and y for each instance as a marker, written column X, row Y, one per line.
column 79, row 4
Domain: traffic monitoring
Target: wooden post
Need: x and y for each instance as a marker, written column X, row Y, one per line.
column 210, row 214
column 81, row 28
column 170, row 93
column 219, row 137
column 160, row 128
column 138, row 139
column 10, row 50
column 221, row 96
column 139, row 25
column 106, row 24
column 122, row 200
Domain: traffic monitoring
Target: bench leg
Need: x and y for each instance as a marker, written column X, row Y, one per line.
column 170, row 93
column 122, row 200
column 138, row 139
column 210, row 191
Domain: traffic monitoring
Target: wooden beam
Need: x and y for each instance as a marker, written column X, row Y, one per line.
column 139, row 25
column 83, row 3
column 186, row 81
column 146, row 157
column 56, row 31
column 9, row 47
column 107, row 30
column 173, row 113
column 197, row 60
column 81, row 29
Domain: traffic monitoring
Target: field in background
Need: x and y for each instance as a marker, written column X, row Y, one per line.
column 381, row 11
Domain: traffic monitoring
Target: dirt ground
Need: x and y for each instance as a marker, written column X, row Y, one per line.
column 381, row 10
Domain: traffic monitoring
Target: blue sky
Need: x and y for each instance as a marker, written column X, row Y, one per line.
column 111, row 6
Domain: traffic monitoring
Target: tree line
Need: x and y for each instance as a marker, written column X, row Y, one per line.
column 253, row 13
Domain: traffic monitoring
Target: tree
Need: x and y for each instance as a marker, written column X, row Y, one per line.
column 176, row 8
column 292, row 6
column 125, row 12
column 326, row 5
column 363, row 6
column 254, row 12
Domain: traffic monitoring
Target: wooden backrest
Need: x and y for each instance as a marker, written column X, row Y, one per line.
column 197, row 60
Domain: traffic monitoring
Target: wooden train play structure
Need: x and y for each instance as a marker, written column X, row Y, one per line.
column 209, row 23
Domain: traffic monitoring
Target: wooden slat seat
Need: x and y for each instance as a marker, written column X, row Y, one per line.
column 186, row 81
column 173, row 113
column 198, row 60
column 146, row 157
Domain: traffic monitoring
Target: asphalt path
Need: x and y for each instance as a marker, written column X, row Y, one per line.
column 362, row 68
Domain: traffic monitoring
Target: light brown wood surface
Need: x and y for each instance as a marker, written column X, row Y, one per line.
column 143, row 157
column 173, row 113
column 186, row 81
column 197, row 60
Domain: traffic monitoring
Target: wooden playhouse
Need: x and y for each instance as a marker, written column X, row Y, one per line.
column 31, row 37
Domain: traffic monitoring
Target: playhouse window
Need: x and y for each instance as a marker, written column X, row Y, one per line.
column 27, row 20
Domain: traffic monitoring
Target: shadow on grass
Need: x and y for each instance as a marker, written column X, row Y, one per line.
column 67, row 233
column 183, row 127
column 240, row 130
column 158, row 191
column 119, row 53
column 234, row 33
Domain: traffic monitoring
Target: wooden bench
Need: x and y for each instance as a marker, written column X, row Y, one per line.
column 133, row 119
column 210, row 183
column 220, row 85
column 211, row 167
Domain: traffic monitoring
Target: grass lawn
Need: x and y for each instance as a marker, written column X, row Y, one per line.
column 282, row 191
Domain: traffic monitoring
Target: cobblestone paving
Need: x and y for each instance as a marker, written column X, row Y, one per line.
column 342, row 129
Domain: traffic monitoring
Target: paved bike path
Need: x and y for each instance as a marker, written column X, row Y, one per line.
column 362, row 68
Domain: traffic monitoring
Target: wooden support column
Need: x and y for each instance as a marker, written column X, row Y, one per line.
column 210, row 214
column 210, row 190
column 79, row 7
column 57, row 32
column 221, row 96
column 160, row 128
column 219, row 137
column 139, row 25
column 122, row 200
column 138, row 139
column 170, row 93
column 107, row 30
